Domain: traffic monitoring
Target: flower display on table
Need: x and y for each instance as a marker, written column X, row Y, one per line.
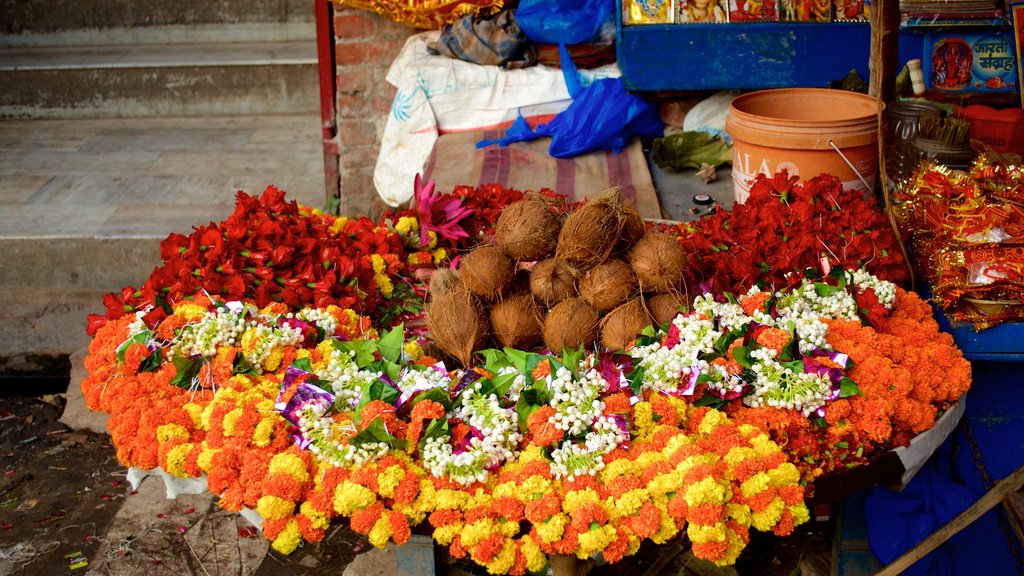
column 308, row 417
column 269, row 353
column 967, row 230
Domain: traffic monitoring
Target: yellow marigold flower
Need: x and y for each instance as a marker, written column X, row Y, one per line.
column 168, row 432
column 426, row 500
column 763, row 520
column 764, row 445
column 634, row 544
column 381, row 532
column 573, row 500
column 706, row 491
column 439, row 255
column 535, row 487
column 739, row 512
column 337, row 226
column 629, row 503
column 231, row 420
column 249, row 340
column 800, row 514
column 620, row 467
column 288, row 540
column 662, row 484
column 703, row 534
column 290, row 464
column 303, row 353
column 643, row 419
column 551, row 530
column 595, row 540
column 205, row 459
column 273, row 361
column 407, row 225
column 377, row 263
column 675, row 443
column 264, row 429
column 350, row 497
column 755, row 484
column 535, row 557
column 738, row 454
column 388, row 480
column 189, row 311
column 476, row 531
column 481, row 498
column 445, row 534
column 712, row 419
column 176, row 460
column 273, row 507
column 784, row 475
column 384, row 285
column 682, row 408
column 448, row 499
column 433, row 239
column 317, row 518
column 666, row 528
column 195, row 412
column 414, row 350
column 503, row 560
column 646, row 460
column 734, row 547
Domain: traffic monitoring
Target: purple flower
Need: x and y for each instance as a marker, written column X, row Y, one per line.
column 306, row 395
column 828, row 363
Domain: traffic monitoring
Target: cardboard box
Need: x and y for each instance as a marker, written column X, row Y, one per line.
column 983, row 61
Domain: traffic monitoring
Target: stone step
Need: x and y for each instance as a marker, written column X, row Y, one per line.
column 41, row 22
column 146, row 80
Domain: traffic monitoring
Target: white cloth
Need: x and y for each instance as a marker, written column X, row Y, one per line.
column 440, row 94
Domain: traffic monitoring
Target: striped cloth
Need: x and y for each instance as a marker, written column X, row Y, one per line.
column 455, row 160
column 495, row 40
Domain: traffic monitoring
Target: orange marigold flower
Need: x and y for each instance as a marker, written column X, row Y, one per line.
column 617, row 403
column 542, row 370
column 540, row 509
column 509, row 508
column 774, row 338
column 401, row 532
column 754, row 302
column 488, row 548
column 363, row 520
column 456, row 549
column 544, row 432
column 617, row 549
column 706, row 514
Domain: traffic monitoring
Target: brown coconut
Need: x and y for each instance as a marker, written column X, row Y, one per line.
column 607, row 285
column 552, row 281
column 665, row 307
column 527, row 229
column 443, row 281
column 516, row 321
column 633, row 229
column 457, row 324
column 623, row 324
column 589, row 234
column 486, row 272
column 571, row 323
column 659, row 263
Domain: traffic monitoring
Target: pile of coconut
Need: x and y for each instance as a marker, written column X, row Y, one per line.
column 594, row 275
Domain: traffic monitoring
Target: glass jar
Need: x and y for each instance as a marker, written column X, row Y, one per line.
column 956, row 156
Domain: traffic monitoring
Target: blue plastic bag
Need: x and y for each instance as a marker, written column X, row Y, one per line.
column 602, row 116
column 562, row 21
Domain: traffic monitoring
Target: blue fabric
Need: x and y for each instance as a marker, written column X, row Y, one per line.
column 562, row 21
column 896, row 521
column 602, row 116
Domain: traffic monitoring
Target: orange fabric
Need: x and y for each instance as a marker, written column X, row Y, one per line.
column 425, row 14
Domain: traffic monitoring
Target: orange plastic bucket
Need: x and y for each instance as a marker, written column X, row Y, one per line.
column 795, row 129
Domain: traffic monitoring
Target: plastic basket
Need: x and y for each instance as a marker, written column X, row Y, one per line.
column 1003, row 130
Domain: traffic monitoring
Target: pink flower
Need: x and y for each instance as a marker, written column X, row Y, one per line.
column 447, row 209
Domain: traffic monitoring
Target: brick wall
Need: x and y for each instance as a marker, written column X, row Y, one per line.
column 365, row 45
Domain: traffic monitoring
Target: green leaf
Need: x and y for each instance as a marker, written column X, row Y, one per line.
column 847, row 388
column 391, row 343
column 364, row 350
column 377, row 390
column 529, row 402
column 187, row 369
column 389, row 368
column 794, row 366
column 152, row 362
column 742, row 356
column 495, row 360
column 242, row 365
column 303, row 364
column 571, row 358
column 518, row 358
column 636, row 379
column 710, row 400
column 377, row 432
column 439, row 395
column 436, row 429
column 502, row 383
column 140, row 338
column 730, row 298
column 824, row 290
